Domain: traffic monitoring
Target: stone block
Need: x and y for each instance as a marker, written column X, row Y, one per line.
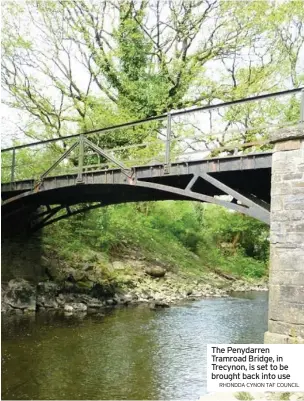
column 295, row 237
column 277, row 237
column 292, row 295
column 294, row 206
column 287, row 216
column 295, row 331
column 279, row 216
column 279, row 157
column 292, row 176
column 282, row 259
column 287, row 245
column 275, row 177
column 288, row 133
column 298, row 184
column 274, row 338
column 291, row 144
column 281, row 188
column 278, row 227
column 294, row 199
column 285, row 311
column 295, row 215
column 276, row 203
column 283, row 167
column 297, row 190
column 296, row 227
column 281, row 277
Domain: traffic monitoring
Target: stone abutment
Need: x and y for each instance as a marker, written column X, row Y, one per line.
column 286, row 281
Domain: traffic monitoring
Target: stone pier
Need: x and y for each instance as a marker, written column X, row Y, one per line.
column 286, row 289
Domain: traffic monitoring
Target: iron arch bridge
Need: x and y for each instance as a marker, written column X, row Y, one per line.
column 86, row 174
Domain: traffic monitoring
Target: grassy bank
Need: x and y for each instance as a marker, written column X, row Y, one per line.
column 185, row 238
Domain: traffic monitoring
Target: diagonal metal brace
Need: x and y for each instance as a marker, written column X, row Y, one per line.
column 58, row 161
column 260, row 211
column 229, row 191
column 192, row 182
column 52, row 218
column 47, row 215
column 253, row 211
column 259, row 202
column 97, row 149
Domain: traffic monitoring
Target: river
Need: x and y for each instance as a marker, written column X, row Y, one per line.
column 130, row 353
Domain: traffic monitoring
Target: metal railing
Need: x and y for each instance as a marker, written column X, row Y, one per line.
column 241, row 126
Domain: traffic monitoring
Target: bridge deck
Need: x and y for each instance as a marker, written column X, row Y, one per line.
column 233, row 169
column 248, row 175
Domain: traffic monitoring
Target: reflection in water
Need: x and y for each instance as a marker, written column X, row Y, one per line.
column 131, row 353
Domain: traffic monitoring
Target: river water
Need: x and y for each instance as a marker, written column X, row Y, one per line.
column 130, row 353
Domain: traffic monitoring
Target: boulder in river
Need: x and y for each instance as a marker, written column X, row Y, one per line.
column 159, row 305
column 156, row 271
column 75, row 307
column 47, row 292
column 126, row 299
column 104, row 290
column 93, row 303
column 20, row 294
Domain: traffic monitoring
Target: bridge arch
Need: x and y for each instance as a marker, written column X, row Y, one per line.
column 51, row 202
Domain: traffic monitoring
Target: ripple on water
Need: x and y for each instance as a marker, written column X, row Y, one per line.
column 131, row 353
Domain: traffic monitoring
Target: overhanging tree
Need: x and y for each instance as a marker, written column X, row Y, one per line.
column 82, row 64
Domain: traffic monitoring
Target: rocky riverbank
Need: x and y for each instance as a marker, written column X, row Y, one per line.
column 87, row 290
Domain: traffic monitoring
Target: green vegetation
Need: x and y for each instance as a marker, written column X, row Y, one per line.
column 108, row 62
column 235, row 243
column 183, row 236
column 242, row 395
column 105, row 63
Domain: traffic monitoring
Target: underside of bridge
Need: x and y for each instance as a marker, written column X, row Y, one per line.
column 244, row 180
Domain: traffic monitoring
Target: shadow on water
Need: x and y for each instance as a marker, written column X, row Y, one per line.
column 130, row 353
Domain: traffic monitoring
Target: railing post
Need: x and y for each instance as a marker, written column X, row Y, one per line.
column 168, row 143
column 302, row 107
column 80, row 160
column 13, row 166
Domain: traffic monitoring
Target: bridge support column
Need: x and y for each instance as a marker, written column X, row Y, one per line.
column 286, row 289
